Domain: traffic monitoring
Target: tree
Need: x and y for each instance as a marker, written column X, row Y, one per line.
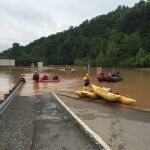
column 123, row 32
column 140, row 57
column 130, row 45
column 112, row 54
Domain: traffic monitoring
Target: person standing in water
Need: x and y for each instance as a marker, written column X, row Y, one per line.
column 36, row 76
column 22, row 78
column 86, row 80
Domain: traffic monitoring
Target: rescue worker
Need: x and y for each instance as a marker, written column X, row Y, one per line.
column 45, row 77
column 55, row 77
column 86, row 80
column 117, row 74
column 36, row 76
column 22, row 78
column 101, row 76
column 109, row 77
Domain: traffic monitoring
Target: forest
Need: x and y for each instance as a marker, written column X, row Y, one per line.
column 120, row 38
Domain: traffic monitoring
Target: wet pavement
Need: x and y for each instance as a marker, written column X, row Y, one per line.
column 39, row 123
column 122, row 128
column 16, row 125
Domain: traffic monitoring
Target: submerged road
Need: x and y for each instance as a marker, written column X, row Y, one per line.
column 120, row 127
column 39, row 123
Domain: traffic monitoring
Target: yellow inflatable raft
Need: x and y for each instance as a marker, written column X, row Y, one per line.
column 121, row 99
column 126, row 100
column 84, row 93
column 105, row 94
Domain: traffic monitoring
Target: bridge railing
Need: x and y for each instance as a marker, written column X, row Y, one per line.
column 8, row 98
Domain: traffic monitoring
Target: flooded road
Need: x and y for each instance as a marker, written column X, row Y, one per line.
column 135, row 83
column 120, row 126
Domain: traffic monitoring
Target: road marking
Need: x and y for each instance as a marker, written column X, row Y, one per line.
column 88, row 130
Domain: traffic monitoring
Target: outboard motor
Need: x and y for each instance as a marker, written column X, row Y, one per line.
column 55, row 77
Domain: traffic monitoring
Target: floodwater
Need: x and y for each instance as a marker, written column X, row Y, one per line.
column 135, row 83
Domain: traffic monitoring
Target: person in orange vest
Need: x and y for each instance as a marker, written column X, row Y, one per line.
column 109, row 77
column 22, row 78
column 45, row 77
column 86, row 80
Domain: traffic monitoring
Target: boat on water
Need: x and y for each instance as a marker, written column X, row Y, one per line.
column 67, row 68
column 114, row 77
column 112, row 96
column 84, row 93
column 126, row 100
column 108, row 79
column 108, row 95
column 90, row 93
column 48, row 80
column 36, row 77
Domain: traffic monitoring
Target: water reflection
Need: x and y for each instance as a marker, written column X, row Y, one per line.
column 36, row 87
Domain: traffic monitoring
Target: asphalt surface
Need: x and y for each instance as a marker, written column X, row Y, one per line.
column 39, row 123
column 122, row 128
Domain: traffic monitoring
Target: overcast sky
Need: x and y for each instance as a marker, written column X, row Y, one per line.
column 23, row 21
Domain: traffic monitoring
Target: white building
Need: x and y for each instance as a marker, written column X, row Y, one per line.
column 7, row 62
column 40, row 65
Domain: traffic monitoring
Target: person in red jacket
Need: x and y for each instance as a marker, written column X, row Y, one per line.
column 45, row 77
column 36, row 76
column 109, row 77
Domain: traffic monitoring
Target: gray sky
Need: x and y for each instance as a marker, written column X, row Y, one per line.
column 23, row 21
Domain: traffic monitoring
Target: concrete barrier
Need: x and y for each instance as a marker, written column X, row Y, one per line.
column 9, row 97
column 97, row 139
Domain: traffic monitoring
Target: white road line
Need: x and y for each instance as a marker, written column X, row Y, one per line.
column 96, row 137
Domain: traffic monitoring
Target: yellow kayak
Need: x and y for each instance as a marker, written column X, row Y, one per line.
column 84, row 93
column 121, row 99
column 105, row 94
column 126, row 100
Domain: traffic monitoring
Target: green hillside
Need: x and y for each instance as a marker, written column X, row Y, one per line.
column 120, row 38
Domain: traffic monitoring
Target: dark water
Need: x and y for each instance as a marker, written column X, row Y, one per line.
column 135, row 83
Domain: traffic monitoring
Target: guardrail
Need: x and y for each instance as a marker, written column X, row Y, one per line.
column 9, row 97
